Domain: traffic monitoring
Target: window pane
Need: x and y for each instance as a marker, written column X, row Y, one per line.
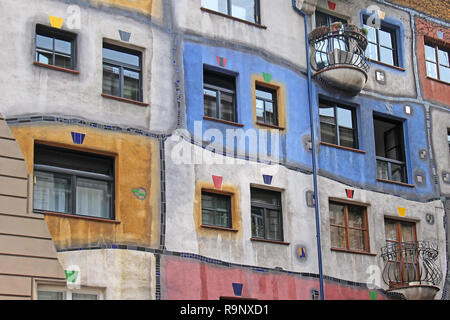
column 328, row 133
column 431, row 70
column 111, row 80
column 123, row 57
column 266, row 197
column 372, row 34
column 52, row 192
column 50, row 295
column 63, row 46
column 216, row 5
column 390, row 231
column 371, row 52
column 84, row 296
column 443, row 58
column 387, row 56
column 44, row 57
column 243, row 9
column 131, row 87
column 93, row 198
column 356, row 217
column 326, row 114
column 408, row 233
column 345, row 118
column 397, row 172
column 270, row 114
column 273, row 225
column 257, row 223
column 385, row 38
column 382, row 170
column 444, row 73
column 227, row 106
column 216, row 210
column 210, row 101
column 44, row 42
column 63, row 61
column 338, row 237
column 357, row 240
column 259, row 110
column 347, row 138
column 337, row 215
column 430, row 53
column 264, row 94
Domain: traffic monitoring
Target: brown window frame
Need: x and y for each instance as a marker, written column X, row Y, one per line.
column 348, row 228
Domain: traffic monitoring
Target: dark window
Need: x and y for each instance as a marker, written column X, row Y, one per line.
column 348, row 226
column 216, row 210
column 323, row 19
column 243, row 9
column 122, row 72
column 266, row 106
column 55, row 47
column 73, row 182
column 338, row 125
column 437, row 62
column 219, row 93
column 382, row 44
column 390, row 149
column 266, row 215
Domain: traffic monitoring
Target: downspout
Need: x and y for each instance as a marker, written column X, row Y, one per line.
column 314, row 159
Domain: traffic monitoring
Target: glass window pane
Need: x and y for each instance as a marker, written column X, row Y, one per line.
column 266, row 197
column 131, row 85
column 216, row 5
column 443, row 58
column 63, row 61
column 270, row 114
column 372, row 34
column 385, row 38
column 63, row 46
column 210, row 101
column 337, row 215
column 382, row 170
column 338, row 237
column 431, row 70
column 123, row 57
column 387, row 56
column 111, row 80
column 50, row 295
column 408, row 232
column 273, row 225
column 390, row 230
column 243, row 9
column 52, row 192
column 397, row 172
column 372, row 52
column 93, row 198
column 327, row 114
column 44, row 42
column 356, row 217
column 259, row 110
column 347, row 138
column 257, row 223
column 345, row 118
column 264, row 94
column 227, row 106
column 444, row 73
column 84, row 296
column 44, row 57
column 357, row 240
column 328, row 133
column 430, row 53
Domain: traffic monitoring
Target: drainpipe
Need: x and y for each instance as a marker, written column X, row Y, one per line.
column 314, row 160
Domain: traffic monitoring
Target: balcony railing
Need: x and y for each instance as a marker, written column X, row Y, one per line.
column 411, row 264
column 337, row 47
column 390, row 169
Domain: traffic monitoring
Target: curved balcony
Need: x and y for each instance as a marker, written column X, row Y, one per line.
column 337, row 56
column 412, row 269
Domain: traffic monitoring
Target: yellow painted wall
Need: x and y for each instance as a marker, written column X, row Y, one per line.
column 137, row 166
column 148, row 7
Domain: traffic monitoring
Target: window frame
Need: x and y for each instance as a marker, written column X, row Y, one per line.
column 393, row 31
column 257, row 12
column 265, row 207
column 122, row 66
column 73, row 175
column 436, row 47
column 274, row 101
column 67, row 294
column 56, row 34
column 336, row 105
column 229, row 209
column 347, row 227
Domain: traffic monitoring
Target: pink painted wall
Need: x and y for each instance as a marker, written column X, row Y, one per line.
column 184, row 279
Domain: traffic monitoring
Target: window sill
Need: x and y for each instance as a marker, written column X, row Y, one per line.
column 341, row 147
column 232, row 18
column 218, row 228
column 269, row 125
column 386, row 65
column 396, row 182
column 438, row 80
column 49, row 66
column 270, row 241
column 354, row 251
column 223, row 121
column 66, row 215
column 142, row 104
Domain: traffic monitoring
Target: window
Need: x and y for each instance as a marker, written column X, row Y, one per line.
column 266, row 215
column 242, row 9
column 216, row 210
column 382, row 44
column 219, row 92
column 55, row 47
column 73, row 182
column 55, row 293
column 348, row 226
column 448, row 138
column 266, row 106
column 338, row 125
column 437, row 62
column 390, row 150
column 122, row 72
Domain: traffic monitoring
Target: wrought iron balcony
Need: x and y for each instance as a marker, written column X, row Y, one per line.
column 412, row 269
column 338, row 58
